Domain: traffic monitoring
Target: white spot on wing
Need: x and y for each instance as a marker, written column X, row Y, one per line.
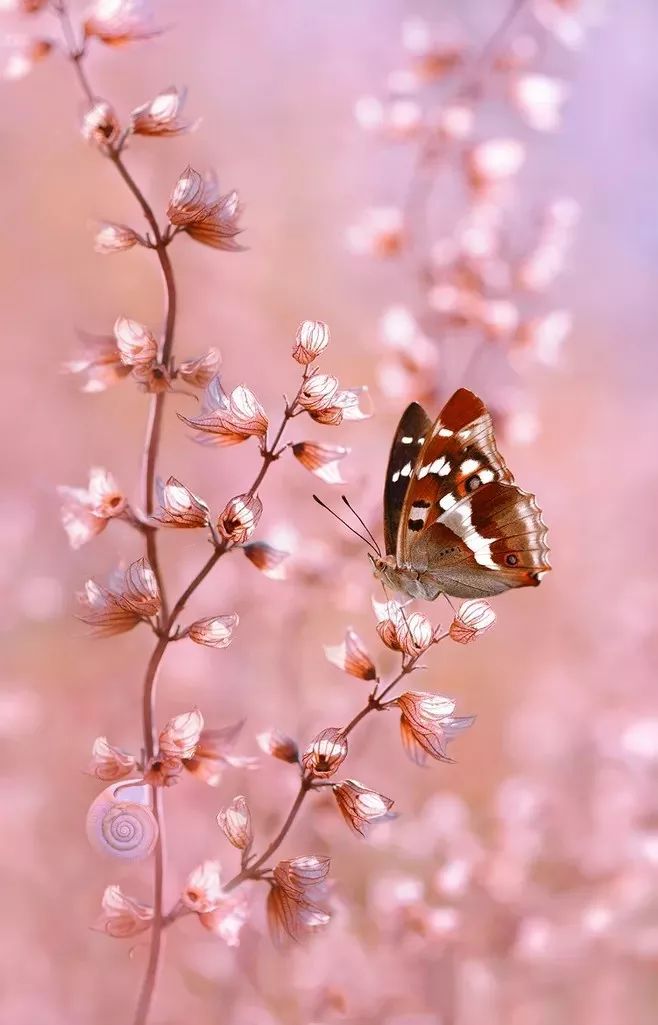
column 445, row 470
column 436, row 465
column 469, row 465
column 396, row 476
column 406, row 440
column 460, row 522
column 445, row 433
column 424, row 470
column 406, row 470
column 447, row 502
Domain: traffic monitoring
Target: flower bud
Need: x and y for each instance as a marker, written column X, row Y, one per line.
column 235, row 822
column 311, row 341
column 352, row 657
column 203, row 889
column 278, row 745
column 180, row 736
column 215, row 632
column 239, row 519
column 359, row 805
column 474, row 617
column 100, row 125
column 326, row 753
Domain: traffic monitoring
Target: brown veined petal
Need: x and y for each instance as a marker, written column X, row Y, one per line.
column 115, row 238
column 326, row 753
column 214, row 632
column 235, row 823
column 116, row 22
column 267, row 559
column 200, row 371
column 102, row 611
column 474, row 617
column 178, row 506
column 278, row 745
column 359, row 805
column 428, row 724
column 189, row 199
column 136, row 345
column 352, row 657
column 137, row 590
column 311, row 341
column 322, row 460
column 219, row 227
column 109, row 763
column 123, row 916
column 318, row 393
column 181, row 734
column 161, row 116
column 298, row 875
column 239, row 519
column 229, row 419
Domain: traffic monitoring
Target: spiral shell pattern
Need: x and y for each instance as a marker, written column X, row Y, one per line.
column 121, row 828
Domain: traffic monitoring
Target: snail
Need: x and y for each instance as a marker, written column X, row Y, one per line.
column 120, row 822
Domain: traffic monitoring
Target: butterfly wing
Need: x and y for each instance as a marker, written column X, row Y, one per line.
column 412, row 431
column 464, row 522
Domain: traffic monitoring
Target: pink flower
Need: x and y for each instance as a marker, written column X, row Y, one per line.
column 213, row 755
column 229, row 419
column 311, row 341
column 178, row 506
column 203, row 889
column 136, row 345
column 235, row 823
column 351, row 656
column 85, row 513
column 326, row 753
column 162, row 115
column 197, row 207
column 427, row 725
column 214, row 632
column 322, row 460
column 323, row 400
column 278, row 745
column 109, row 763
column 474, row 617
column 359, row 805
column 100, row 125
column 200, row 371
column 227, row 918
column 132, row 596
column 408, row 632
column 116, row 22
column 239, row 519
column 100, row 362
column 123, row 916
column 181, row 734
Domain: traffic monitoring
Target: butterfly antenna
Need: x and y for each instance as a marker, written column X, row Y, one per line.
column 345, row 523
column 363, row 524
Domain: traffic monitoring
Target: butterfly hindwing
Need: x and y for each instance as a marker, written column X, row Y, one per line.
column 412, row 431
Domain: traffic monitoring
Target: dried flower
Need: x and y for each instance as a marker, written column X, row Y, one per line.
column 116, row 22
column 115, row 238
column 327, row 404
column 181, row 734
column 213, row 755
column 494, row 161
column 229, row 419
column 427, row 725
column 235, row 822
column 291, row 904
column 131, row 597
column 178, row 507
column 123, row 916
column 137, row 346
column 269, row 560
column 227, row 918
column 474, row 617
column 215, row 632
column 278, row 745
column 86, row 513
column 408, row 632
column 326, row 753
column 197, row 207
column 203, row 889
column 359, row 805
column 162, row 115
column 163, row 772
column 311, row 341
column 100, row 362
column 100, row 125
column 351, row 656
column 25, row 53
column 239, row 519
column 540, row 100
column 109, row 763
column 322, row 460
column 200, row 371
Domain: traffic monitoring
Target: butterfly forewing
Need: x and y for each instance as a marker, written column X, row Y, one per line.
column 412, row 432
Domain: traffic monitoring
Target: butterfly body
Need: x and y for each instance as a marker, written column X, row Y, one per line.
column 454, row 520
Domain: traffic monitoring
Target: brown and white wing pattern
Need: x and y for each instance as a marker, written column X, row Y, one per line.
column 413, row 430
column 464, row 523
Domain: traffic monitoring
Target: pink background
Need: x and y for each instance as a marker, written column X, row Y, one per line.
column 549, row 808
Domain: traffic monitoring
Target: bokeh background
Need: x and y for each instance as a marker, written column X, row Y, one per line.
column 517, row 886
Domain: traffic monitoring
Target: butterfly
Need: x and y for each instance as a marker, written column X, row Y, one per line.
column 454, row 520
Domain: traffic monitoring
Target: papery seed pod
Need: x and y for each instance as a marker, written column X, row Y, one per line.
column 351, row 656
column 311, row 341
column 474, row 617
column 229, row 420
column 427, row 725
column 116, row 22
column 235, row 823
column 239, row 519
column 304, row 874
column 200, row 371
column 122, row 916
column 215, row 632
column 197, row 207
column 278, row 745
column 322, row 460
column 359, row 805
column 100, row 125
column 161, row 116
column 292, row 915
column 326, row 753
column 181, row 734
column 115, row 238
column 270, row 561
column 109, row 763
column 120, row 822
column 137, row 346
column 178, row 506
column 408, row 632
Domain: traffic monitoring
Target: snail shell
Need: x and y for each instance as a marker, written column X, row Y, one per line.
column 120, row 823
